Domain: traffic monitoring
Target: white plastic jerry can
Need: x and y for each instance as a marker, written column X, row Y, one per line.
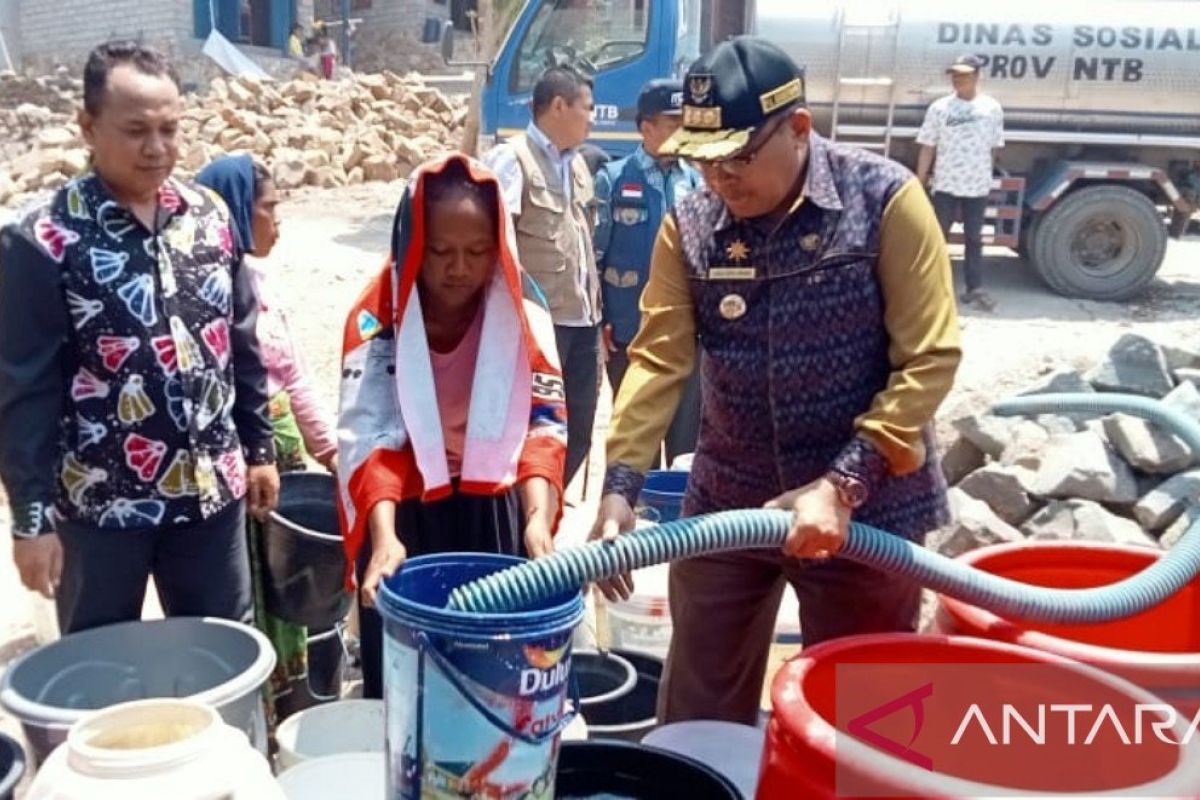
column 154, row 749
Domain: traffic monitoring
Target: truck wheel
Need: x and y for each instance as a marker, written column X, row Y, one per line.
column 1028, row 230
column 1100, row 243
column 1029, row 234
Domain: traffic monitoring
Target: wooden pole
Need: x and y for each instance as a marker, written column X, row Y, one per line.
column 484, row 23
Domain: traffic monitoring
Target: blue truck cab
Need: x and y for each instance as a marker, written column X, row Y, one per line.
column 623, row 42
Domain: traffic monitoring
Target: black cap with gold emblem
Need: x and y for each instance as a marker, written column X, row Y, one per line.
column 729, row 93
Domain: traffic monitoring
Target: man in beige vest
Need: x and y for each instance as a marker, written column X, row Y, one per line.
column 548, row 190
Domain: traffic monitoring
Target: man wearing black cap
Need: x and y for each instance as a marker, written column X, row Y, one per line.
column 958, row 139
column 817, row 279
column 634, row 195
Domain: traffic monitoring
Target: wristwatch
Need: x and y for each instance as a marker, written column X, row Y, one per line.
column 852, row 492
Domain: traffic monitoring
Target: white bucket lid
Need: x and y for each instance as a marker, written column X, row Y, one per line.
column 362, row 776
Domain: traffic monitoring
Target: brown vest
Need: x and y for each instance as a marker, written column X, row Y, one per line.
column 554, row 236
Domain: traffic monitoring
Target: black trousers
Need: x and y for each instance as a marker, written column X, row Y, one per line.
column 461, row 523
column 685, row 425
column 200, row 570
column 579, row 354
column 970, row 210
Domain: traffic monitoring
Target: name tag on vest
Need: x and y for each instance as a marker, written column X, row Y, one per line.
column 732, row 273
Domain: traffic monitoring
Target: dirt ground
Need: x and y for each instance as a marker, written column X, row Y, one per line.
column 333, row 240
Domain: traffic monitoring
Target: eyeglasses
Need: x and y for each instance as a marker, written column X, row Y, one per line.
column 736, row 167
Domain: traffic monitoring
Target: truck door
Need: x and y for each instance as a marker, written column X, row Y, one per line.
column 623, row 42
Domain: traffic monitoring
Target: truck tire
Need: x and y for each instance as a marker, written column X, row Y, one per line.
column 1100, row 243
column 1029, row 227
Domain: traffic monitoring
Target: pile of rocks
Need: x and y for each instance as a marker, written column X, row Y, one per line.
column 29, row 105
column 369, row 127
column 1114, row 478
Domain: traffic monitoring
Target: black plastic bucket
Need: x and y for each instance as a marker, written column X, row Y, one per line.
column 304, row 567
column 631, row 715
column 602, row 677
column 326, row 671
column 12, row 766
column 637, row 772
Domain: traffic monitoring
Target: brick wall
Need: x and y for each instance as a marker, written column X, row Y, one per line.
column 399, row 16
column 304, row 12
column 389, row 36
column 63, row 31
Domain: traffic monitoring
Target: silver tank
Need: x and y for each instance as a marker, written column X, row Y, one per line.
column 1093, row 66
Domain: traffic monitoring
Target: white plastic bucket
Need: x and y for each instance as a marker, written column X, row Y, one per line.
column 353, row 776
column 153, row 749
column 643, row 622
column 347, row 726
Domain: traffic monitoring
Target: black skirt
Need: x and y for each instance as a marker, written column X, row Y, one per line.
column 461, row 523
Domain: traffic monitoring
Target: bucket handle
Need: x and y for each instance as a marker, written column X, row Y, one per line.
column 503, row 726
column 649, row 514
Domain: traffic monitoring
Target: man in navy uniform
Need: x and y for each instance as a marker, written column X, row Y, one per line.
column 633, row 195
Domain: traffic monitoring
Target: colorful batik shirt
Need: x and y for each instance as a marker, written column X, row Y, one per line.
column 131, row 388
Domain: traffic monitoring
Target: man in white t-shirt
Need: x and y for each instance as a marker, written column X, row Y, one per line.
column 958, row 139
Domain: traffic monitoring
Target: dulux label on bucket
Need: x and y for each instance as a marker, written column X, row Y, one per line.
column 443, row 746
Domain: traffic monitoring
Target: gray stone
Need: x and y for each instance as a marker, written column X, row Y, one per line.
column 1190, row 374
column 1160, row 507
column 1146, row 484
column 1081, row 465
column 1146, row 446
column 1185, row 398
column 1096, row 426
column 1134, row 365
column 1058, row 423
column 989, row 433
column 1180, row 355
column 973, row 525
column 1171, row 536
column 1065, row 520
column 1005, row 489
column 961, row 459
column 1027, row 445
column 1055, row 521
column 1063, row 381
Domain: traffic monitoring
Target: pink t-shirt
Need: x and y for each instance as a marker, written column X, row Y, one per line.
column 453, row 374
column 286, row 370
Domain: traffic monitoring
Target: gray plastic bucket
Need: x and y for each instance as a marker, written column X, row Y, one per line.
column 213, row 661
column 304, row 566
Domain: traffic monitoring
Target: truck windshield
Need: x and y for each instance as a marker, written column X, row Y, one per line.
column 595, row 34
column 687, row 46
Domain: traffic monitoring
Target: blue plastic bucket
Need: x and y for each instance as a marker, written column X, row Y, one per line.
column 475, row 702
column 662, row 494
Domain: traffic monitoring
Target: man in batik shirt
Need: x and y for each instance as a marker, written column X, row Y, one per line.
column 132, row 395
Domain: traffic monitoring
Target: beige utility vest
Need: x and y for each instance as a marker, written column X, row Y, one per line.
column 554, row 235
